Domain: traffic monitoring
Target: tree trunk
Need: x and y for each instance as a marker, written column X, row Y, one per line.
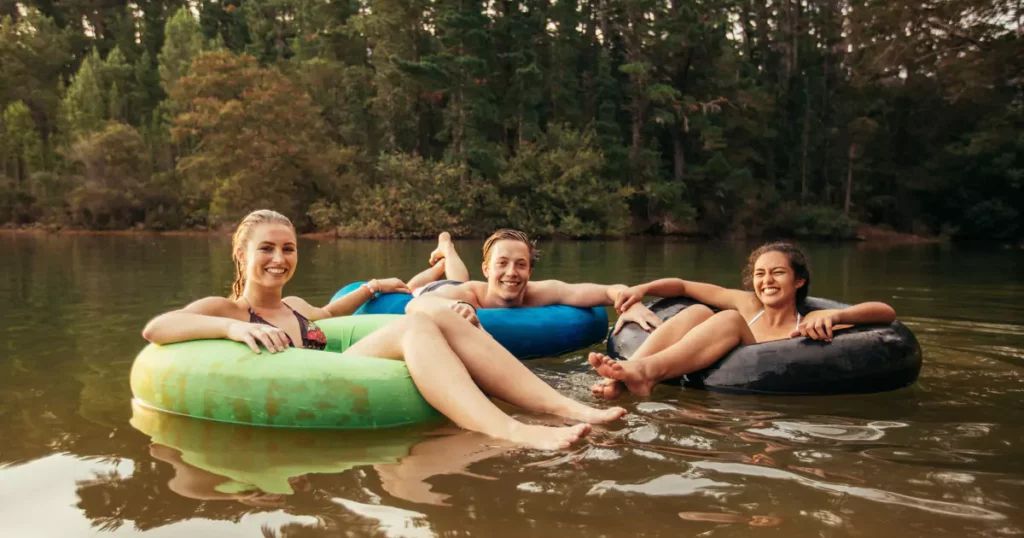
column 19, row 170
column 851, row 154
column 678, row 155
column 590, row 58
column 805, row 142
column 637, row 126
column 9, row 9
column 763, row 35
column 1020, row 20
column 785, row 21
column 422, row 108
column 748, row 32
column 459, row 129
column 794, row 48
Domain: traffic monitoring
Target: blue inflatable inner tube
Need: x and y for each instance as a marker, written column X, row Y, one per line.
column 861, row 359
column 528, row 332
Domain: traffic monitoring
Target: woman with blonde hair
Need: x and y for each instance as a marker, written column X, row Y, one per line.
column 453, row 363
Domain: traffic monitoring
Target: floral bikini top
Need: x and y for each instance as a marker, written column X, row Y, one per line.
column 312, row 336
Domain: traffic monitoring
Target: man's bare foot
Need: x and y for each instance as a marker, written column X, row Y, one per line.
column 547, row 437
column 630, row 373
column 592, row 415
column 607, row 389
column 444, row 242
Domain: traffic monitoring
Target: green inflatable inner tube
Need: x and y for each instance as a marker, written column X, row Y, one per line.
column 298, row 388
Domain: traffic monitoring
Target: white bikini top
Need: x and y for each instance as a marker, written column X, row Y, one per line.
column 762, row 312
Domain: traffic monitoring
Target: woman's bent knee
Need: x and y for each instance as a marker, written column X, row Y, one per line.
column 699, row 311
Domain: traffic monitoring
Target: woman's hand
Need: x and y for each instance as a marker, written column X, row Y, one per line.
column 639, row 314
column 391, row 285
column 627, row 298
column 817, row 325
column 253, row 334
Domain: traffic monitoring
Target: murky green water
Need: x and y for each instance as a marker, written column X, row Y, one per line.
column 944, row 457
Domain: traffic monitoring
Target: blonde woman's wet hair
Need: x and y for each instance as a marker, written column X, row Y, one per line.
column 241, row 240
column 515, row 235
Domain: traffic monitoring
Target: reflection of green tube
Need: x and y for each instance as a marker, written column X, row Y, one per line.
column 299, row 388
column 264, row 459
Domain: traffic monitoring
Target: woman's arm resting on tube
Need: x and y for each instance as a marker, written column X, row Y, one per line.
column 210, row 318
column 820, row 324
column 709, row 294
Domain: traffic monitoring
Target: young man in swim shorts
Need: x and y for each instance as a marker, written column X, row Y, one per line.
column 509, row 258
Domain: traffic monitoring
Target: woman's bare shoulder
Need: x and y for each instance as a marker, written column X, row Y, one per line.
column 216, row 306
column 303, row 307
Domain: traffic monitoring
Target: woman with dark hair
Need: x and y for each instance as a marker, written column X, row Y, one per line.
column 778, row 275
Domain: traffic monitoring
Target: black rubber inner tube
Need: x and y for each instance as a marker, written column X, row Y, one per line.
column 861, row 359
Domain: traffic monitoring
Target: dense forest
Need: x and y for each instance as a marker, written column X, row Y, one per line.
column 574, row 118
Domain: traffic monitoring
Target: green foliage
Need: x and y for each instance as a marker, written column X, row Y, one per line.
column 990, row 219
column 725, row 118
column 84, row 107
column 344, row 94
column 554, row 187
column 414, row 197
column 16, row 203
column 112, row 170
column 21, row 147
column 812, row 223
column 119, row 77
column 182, row 43
column 260, row 139
column 34, row 57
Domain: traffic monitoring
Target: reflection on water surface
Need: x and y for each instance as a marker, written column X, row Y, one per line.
column 77, row 459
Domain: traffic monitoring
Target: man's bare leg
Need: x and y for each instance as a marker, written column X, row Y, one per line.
column 454, row 267
column 430, row 274
column 444, row 261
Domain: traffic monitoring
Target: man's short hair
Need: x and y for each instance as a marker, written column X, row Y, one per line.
column 515, row 235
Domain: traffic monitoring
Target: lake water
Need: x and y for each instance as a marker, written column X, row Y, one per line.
column 944, row 457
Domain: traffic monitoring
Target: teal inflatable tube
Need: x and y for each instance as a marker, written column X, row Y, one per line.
column 528, row 333
column 225, row 381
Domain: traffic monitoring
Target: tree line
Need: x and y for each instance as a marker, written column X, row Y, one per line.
column 576, row 118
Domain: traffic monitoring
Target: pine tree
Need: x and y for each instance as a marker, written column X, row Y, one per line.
column 84, row 107
column 119, row 79
column 34, row 56
column 182, row 43
column 464, row 62
column 404, row 99
column 21, row 147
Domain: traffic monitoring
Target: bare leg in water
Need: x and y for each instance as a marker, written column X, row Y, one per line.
column 444, row 262
column 445, row 377
column 692, row 343
column 500, row 374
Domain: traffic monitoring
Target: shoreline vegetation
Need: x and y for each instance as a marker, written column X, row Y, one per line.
column 865, row 233
column 815, row 120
